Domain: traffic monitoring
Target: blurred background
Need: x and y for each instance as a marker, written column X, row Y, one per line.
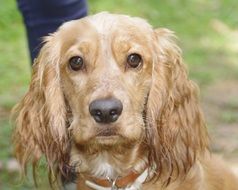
column 207, row 33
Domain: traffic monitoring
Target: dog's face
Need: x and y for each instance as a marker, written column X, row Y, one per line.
column 110, row 83
column 106, row 72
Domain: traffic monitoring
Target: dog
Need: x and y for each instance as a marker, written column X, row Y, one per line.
column 110, row 101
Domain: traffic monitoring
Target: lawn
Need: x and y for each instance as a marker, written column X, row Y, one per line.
column 207, row 33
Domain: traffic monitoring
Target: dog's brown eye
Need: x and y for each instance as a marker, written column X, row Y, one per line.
column 134, row 60
column 76, row 63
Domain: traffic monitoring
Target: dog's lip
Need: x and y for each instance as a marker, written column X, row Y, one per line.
column 108, row 132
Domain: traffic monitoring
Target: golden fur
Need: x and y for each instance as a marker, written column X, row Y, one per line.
column 161, row 126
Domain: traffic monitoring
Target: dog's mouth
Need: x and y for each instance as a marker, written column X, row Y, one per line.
column 108, row 132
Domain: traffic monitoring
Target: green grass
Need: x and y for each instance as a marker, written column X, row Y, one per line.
column 14, row 67
column 207, row 32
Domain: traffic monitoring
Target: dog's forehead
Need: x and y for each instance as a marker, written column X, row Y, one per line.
column 104, row 24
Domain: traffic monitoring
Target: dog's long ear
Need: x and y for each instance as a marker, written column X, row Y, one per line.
column 41, row 115
column 176, row 127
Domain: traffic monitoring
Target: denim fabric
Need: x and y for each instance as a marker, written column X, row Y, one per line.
column 42, row 17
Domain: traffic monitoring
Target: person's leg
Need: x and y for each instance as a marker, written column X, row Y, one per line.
column 42, row 17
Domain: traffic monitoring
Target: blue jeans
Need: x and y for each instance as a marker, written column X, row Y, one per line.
column 42, row 17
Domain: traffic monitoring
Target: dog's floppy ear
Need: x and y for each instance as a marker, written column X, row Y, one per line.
column 176, row 127
column 41, row 114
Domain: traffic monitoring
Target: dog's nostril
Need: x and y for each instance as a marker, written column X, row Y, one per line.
column 98, row 113
column 105, row 110
column 113, row 112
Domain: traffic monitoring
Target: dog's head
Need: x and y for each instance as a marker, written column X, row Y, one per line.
column 110, row 83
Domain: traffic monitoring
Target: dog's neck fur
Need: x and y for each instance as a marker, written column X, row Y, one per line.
column 110, row 164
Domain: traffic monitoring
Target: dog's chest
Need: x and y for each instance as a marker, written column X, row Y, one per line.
column 102, row 168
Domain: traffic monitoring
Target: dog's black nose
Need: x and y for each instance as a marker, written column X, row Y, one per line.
column 105, row 110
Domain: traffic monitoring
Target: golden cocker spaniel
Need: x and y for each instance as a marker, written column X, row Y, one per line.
column 110, row 100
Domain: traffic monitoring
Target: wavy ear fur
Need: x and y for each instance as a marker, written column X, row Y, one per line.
column 41, row 114
column 176, row 127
